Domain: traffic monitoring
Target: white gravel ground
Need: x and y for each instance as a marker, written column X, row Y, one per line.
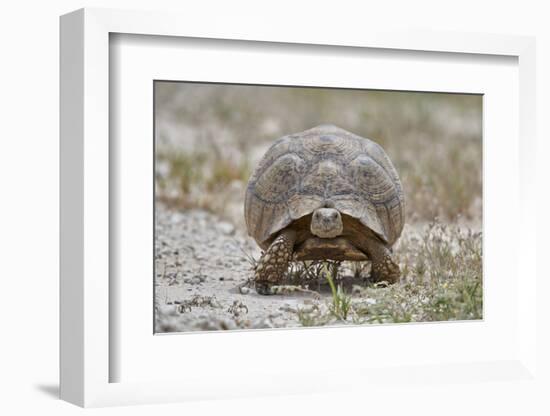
column 202, row 271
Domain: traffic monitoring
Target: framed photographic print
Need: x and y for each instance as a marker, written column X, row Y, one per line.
column 259, row 212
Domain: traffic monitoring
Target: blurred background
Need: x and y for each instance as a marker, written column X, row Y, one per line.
column 209, row 137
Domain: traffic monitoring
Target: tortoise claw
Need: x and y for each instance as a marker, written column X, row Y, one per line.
column 263, row 288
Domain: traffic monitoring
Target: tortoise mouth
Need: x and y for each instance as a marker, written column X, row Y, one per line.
column 339, row 248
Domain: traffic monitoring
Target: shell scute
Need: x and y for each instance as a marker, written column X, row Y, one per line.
column 279, row 178
column 307, row 170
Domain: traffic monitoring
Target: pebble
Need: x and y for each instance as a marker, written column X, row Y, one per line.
column 203, row 255
column 167, row 310
column 177, row 217
column 226, row 228
column 262, row 323
column 306, row 309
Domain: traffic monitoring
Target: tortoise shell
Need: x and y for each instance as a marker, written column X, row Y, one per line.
column 324, row 166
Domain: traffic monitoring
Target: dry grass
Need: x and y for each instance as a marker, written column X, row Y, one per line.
column 210, row 137
column 441, row 281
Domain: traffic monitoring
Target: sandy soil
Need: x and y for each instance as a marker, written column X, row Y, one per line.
column 208, row 140
column 202, row 276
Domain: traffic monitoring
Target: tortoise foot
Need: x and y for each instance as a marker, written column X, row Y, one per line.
column 273, row 265
column 263, row 288
column 385, row 270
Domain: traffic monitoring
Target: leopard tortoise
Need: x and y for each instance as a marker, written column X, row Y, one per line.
column 324, row 193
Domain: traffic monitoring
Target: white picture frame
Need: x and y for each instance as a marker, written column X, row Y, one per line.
column 87, row 355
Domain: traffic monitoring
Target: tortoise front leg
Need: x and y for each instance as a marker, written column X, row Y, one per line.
column 383, row 265
column 273, row 265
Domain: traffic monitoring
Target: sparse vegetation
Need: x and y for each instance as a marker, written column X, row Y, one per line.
column 441, row 280
column 434, row 140
column 447, row 286
column 210, row 137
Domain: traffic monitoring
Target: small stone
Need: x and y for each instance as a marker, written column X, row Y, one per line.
column 226, row 228
column 244, row 290
column 167, row 310
column 227, row 324
column 195, row 280
column 262, row 323
column 177, row 217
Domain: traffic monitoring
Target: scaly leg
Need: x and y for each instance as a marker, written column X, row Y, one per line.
column 383, row 265
column 274, row 263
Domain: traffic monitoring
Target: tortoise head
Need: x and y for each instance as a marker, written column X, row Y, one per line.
column 326, row 222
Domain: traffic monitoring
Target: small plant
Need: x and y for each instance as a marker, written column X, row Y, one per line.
column 237, row 308
column 247, row 255
column 311, row 316
column 197, row 301
column 185, row 169
column 360, row 269
column 226, row 170
column 341, row 303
